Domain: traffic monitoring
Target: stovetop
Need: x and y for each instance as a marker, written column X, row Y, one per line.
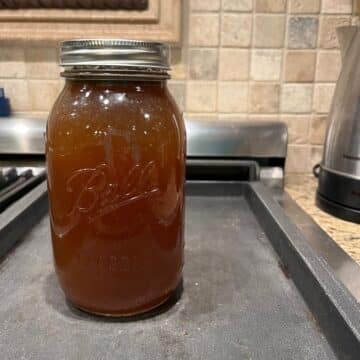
column 15, row 182
column 227, row 151
column 234, row 223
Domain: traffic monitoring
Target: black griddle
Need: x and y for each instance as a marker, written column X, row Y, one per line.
column 252, row 289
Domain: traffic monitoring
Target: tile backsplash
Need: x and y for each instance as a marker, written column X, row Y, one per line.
column 238, row 60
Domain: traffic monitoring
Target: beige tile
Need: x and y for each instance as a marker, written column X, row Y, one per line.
column 234, row 64
column 327, row 33
column 232, row 97
column 18, row 93
column 178, row 91
column 318, row 127
column 304, row 6
column 43, row 94
column 300, row 66
column 316, row 153
column 237, row 5
column 12, row 62
column 266, row 65
column 236, row 30
column 178, row 71
column 62, row 82
column 204, row 5
column 298, row 128
column 203, row 64
column 323, row 94
column 176, row 56
column 296, row 98
column 271, row 6
column 336, row 6
column 264, row 98
column 201, row 96
column 269, row 31
column 328, row 66
column 204, row 30
column 42, row 63
column 298, row 159
column 355, row 19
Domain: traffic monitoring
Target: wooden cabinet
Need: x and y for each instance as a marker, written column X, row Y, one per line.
column 160, row 21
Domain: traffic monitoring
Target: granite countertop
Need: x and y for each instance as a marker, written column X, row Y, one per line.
column 302, row 189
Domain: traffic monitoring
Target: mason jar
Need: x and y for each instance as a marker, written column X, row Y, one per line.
column 115, row 149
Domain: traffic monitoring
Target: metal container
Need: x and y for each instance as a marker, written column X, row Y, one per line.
column 339, row 178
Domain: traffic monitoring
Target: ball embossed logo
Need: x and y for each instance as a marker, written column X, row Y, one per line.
column 102, row 194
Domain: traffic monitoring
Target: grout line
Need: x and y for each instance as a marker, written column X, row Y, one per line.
column 251, row 54
column 219, row 48
column 283, row 60
column 288, row 114
column 280, row 48
column 200, row 12
column 186, row 27
column 204, row 47
column 313, row 112
column 220, row 10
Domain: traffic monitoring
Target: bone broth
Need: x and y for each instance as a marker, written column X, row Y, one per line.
column 115, row 148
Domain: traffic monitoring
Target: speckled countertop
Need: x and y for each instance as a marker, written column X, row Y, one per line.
column 302, row 189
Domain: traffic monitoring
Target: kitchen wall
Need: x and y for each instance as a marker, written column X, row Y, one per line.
column 238, row 60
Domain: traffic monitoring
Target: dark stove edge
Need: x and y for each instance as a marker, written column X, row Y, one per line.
column 333, row 306
column 20, row 217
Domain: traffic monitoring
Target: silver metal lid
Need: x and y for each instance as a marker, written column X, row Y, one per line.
column 115, row 52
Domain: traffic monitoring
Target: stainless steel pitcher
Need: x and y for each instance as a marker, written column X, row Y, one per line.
column 339, row 178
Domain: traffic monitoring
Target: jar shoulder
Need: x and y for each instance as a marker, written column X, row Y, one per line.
column 84, row 111
column 111, row 100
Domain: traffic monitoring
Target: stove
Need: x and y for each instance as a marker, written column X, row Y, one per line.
column 254, row 261
column 15, row 182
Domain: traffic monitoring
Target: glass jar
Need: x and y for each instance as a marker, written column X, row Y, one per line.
column 115, row 148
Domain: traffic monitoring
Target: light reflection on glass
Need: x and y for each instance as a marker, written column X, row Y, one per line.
column 120, row 97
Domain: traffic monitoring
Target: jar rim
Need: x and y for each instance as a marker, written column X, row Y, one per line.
column 113, row 72
column 117, row 53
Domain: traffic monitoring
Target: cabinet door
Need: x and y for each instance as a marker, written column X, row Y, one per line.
column 149, row 20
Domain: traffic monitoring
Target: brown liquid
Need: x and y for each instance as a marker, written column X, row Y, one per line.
column 115, row 159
